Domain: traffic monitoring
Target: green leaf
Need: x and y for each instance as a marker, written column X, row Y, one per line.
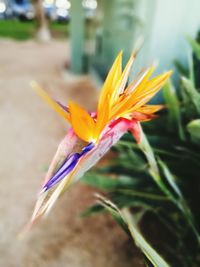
column 106, row 183
column 114, row 211
column 141, row 242
column 180, row 201
column 142, row 194
column 173, row 106
column 193, row 128
column 170, row 178
column 182, row 69
column 195, row 46
column 191, row 68
column 129, row 223
column 191, row 96
column 92, row 210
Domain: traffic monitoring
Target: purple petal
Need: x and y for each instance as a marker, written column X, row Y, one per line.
column 67, row 166
column 87, row 148
column 65, row 149
column 62, row 106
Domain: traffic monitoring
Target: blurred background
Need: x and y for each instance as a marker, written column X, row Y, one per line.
column 68, row 46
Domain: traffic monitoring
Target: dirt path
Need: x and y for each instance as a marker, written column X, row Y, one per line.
column 30, row 133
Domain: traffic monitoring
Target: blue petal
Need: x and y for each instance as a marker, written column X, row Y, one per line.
column 67, row 167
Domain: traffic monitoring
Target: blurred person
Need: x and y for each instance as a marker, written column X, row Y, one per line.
column 43, row 33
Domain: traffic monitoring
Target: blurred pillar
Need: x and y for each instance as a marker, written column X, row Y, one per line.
column 120, row 26
column 77, row 36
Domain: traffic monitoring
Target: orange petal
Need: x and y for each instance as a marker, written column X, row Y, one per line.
column 82, row 123
column 119, row 88
column 111, row 100
column 102, row 118
column 111, row 80
column 126, row 103
column 150, row 109
column 153, row 86
column 137, row 84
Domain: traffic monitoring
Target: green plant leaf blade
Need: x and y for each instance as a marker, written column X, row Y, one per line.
column 173, row 106
column 156, row 259
column 193, row 128
column 129, row 223
column 195, row 46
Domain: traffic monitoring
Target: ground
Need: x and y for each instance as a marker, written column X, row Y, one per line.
column 30, row 133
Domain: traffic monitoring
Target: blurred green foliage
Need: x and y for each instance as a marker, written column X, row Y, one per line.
column 23, row 30
column 154, row 187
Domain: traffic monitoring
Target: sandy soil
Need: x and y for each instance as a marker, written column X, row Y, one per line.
column 30, row 133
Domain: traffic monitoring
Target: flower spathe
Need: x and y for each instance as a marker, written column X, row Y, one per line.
column 119, row 110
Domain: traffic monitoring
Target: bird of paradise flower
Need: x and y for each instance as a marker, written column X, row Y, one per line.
column 120, row 109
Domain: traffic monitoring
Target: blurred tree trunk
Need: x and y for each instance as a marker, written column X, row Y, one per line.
column 43, row 33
